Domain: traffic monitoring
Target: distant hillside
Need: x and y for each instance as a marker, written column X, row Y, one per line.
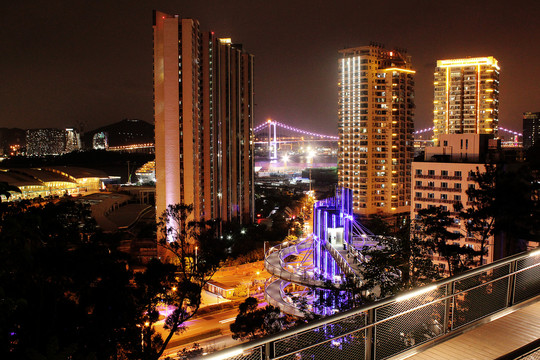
column 125, row 132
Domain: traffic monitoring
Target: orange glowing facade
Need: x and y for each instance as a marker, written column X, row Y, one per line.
column 203, row 113
column 466, row 99
column 375, row 123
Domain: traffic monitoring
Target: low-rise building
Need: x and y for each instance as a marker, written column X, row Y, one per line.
column 443, row 176
column 51, row 181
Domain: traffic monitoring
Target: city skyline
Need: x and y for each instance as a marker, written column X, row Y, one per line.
column 63, row 68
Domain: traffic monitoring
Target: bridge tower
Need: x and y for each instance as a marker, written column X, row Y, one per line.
column 272, row 140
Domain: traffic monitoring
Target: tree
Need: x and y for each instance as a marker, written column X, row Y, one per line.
column 154, row 288
column 194, row 253
column 397, row 262
column 479, row 216
column 63, row 295
column 253, row 322
column 432, row 229
column 501, row 203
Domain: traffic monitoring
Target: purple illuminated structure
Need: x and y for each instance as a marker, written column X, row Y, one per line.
column 333, row 240
column 336, row 254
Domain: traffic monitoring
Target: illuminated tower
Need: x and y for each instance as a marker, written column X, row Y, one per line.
column 375, row 120
column 466, row 97
column 531, row 129
column 203, row 113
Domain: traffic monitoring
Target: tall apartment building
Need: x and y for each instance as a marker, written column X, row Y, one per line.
column 375, row 121
column 466, row 96
column 443, row 177
column 203, row 112
column 531, row 129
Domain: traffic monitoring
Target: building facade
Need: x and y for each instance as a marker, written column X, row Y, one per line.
column 442, row 178
column 49, row 141
column 466, row 97
column 203, row 113
column 531, row 129
column 375, row 123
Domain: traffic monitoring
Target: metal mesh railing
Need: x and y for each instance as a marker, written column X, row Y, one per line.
column 346, row 347
column 527, row 279
column 394, row 325
column 255, row 353
column 480, row 295
column 320, row 334
column 407, row 323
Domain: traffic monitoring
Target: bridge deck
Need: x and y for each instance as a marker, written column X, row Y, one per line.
column 490, row 340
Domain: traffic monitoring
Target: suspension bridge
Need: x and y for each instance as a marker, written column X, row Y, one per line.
column 272, row 135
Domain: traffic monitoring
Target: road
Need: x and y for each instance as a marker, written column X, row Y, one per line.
column 209, row 331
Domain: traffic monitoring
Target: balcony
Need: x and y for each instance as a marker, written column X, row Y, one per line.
column 439, row 201
column 437, row 188
column 437, row 177
column 506, row 291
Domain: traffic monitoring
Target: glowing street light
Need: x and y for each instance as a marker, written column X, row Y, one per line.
column 285, row 159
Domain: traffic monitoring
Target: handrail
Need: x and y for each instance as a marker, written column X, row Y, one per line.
column 281, row 271
column 422, row 298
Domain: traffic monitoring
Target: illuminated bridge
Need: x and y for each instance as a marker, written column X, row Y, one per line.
column 485, row 313
column 274, row 134
column 501, row 129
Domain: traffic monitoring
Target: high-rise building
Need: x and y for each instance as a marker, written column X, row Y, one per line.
column 375, row 120
column 203, row 113
column 531, row 129
column 466, row 97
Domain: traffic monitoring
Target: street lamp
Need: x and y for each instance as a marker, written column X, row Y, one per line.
column 251, row 282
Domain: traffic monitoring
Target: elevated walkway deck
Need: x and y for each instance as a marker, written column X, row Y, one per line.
column 275, row 265
column 490, row 340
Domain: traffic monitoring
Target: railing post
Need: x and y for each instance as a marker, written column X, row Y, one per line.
column 370, row 336
column 447, row 306
column 267, row 351
column 511, row 284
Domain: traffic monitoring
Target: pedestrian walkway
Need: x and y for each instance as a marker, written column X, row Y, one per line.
column 491, row 340
column 274, row 297
column 274, row 265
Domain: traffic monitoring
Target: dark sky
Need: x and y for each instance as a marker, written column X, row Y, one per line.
column 67, row 62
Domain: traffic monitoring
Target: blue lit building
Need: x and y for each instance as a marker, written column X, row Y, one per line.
column 335, row 253
column 338, row 238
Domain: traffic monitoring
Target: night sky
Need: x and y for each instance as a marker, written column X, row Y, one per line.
column 66, row 63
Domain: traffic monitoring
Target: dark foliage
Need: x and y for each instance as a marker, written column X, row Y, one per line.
column 65, row 289
column 253, row 322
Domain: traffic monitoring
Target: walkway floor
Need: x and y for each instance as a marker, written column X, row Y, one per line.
column 273, row 266
column 491, row 340
column 273, row 296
